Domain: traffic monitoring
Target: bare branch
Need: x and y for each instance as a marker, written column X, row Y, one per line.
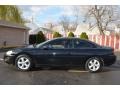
column 102, row 15
column 64, row 21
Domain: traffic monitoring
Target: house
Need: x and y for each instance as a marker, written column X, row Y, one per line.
column 112, row 29
column 13, row 34
column 85, row 28
column 44, row 30
column 58, row 28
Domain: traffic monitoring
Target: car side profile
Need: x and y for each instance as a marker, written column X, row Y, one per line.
column 62, row 52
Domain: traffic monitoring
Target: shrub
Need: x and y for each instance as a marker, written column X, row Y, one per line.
column 56, row 34
column 32, row 39
column 70, row 34
column 40, row 37
column 84, row 36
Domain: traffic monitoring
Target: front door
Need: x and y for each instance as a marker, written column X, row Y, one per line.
column 57, row 53
column 60, row 52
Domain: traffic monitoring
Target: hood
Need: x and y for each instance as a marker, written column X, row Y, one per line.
column 23, row 48
column 30, row 46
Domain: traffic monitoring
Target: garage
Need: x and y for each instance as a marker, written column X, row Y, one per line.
column 13, row 34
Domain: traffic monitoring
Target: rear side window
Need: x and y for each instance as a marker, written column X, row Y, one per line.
column 82, row 44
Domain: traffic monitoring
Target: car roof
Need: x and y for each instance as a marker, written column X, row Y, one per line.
column 73, row 38
column 69, row 38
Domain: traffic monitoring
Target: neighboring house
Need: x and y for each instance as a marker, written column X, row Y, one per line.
column 44, row 30
column 85, row 28
column 54, row 27
column 58, row 28
column 95, row 31
column 13, row 34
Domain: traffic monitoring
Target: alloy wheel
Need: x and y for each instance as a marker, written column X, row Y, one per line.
column 23, row 63
column 93, row 65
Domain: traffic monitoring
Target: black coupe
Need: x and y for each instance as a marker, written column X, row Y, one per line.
column 62, row 52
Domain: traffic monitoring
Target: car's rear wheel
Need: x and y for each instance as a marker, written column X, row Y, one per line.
column 94, row 64
column 23, row 63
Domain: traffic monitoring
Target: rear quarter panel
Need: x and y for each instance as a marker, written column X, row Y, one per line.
column 107, row 55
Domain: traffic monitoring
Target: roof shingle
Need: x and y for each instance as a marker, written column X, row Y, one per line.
column 13, row 25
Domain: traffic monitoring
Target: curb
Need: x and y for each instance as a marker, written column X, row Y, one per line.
column 1, row 50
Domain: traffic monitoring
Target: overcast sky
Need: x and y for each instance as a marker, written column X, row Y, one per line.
column 44, row 14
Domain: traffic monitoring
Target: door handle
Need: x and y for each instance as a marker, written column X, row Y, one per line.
column 54, row 53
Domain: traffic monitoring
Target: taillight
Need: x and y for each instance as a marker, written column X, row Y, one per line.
column 113, row 50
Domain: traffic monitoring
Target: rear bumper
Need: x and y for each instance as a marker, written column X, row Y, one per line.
column 109, row 60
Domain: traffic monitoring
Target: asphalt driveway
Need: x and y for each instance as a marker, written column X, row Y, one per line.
column 9, row 75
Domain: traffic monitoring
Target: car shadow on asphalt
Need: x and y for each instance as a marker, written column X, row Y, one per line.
column 77, row 70
column 50, row 68
column 114, row 67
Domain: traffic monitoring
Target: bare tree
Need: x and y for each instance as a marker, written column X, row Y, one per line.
column 101, row 16
column 65, row 22
column 76, row 14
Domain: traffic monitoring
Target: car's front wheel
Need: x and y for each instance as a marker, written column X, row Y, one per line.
column 94, row 64
column 23, row 63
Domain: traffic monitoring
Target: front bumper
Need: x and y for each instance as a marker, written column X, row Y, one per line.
column 9, row 59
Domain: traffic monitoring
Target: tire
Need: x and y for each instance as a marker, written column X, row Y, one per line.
column 94, row 64
column 23, row 63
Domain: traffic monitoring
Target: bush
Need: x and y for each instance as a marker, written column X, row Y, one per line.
column 40, row 37
column 84, row 36
column 32, row 39
column 71, row 34
column 56, row 34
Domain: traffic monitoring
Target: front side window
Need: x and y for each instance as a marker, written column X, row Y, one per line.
column 82, row 44
column 59, row 44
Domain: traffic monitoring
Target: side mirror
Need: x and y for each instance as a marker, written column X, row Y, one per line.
column 34, row 45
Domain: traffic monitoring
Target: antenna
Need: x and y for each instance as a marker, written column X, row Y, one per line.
column 32, row 19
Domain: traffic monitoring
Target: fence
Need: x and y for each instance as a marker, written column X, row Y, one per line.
column 111, row 40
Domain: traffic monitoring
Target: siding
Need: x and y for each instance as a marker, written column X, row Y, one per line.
column 13, row 36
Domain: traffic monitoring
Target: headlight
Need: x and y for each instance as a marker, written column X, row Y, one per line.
column 10, row 53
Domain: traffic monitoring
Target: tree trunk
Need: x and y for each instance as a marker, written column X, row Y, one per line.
column 101, row 32
column 100, row 27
